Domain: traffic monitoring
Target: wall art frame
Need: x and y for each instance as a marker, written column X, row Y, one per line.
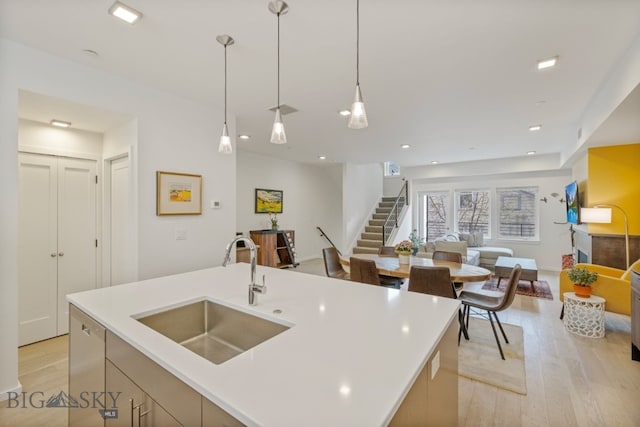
column 178, row 193
column 268, row 201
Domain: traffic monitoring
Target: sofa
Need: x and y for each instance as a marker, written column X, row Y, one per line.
column 469, row 245
column 614, row 285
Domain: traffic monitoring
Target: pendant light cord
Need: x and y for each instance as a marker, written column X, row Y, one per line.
column 278, row 106
column 225, row 84
column 357, row 42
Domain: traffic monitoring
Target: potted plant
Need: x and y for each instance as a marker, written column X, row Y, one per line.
column 415, row 241
column 274, row 221
column 404, row 249
column 582, row 280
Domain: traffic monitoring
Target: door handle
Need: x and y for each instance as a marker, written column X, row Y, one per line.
column 53, row 254
column 60, row 253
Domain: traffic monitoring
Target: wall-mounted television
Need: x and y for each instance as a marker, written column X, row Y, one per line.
column 573, row 203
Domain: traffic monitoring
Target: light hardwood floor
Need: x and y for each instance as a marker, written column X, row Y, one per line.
column 571, row 381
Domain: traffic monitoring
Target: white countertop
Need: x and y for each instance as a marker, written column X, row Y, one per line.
column 350, row 358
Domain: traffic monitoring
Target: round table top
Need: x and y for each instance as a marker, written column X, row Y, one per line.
column 592, row 298
column 390, row 266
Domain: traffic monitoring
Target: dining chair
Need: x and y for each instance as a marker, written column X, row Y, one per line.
column 387, row 251
column 435, row 281
column 332, row 265
column 447, row 256
column 364, row 271
column 491, row 304
column 452, row 257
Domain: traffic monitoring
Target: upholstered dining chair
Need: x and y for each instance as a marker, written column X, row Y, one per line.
column 332, row 264
column 435, row 281
column 387, row 251
column 447, row 256
column 491, row 304
column 452, row 257
column 364, row 271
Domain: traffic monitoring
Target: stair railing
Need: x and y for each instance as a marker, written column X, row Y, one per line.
column 323, row 234
column 391, row 222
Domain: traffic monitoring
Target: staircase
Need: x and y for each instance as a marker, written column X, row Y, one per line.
column 371, row 239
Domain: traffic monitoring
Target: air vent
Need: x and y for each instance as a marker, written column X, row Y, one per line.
column 284, row 109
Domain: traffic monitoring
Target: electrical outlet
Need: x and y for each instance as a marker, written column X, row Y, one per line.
column 181, row 234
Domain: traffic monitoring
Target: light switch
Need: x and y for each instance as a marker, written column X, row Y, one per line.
column 435, row 365
column 181, row 234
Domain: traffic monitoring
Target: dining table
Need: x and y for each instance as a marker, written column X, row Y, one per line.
column 390, row 266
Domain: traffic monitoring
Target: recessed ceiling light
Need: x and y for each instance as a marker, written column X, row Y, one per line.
column 244, row 136
column 530, row 153
column 344, row 113
column 534, row 128
column 547, row 63
column 322, row 157
column 124, row 12
column 434, row 162
column 405, row 146
column 60, row 123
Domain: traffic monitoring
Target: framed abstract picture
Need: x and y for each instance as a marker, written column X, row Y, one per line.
column 268, row 201
column 178, row 193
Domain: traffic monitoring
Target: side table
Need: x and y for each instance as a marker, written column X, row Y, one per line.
column 584, row 316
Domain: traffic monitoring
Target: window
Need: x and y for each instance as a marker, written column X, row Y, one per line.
column 391, row 169
column 518, row 213
column 433, row 214
column 472, row 211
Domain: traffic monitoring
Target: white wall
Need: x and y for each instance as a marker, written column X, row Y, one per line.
column 174, row 134
column 555, row 239
column 312, row 196
column 361, row 193
column 391, row 185
column 46, row 139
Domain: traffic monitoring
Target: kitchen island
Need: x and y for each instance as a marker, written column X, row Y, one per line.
column 353, row 354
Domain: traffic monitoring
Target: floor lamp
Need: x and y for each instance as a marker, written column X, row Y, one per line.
column 602, row 214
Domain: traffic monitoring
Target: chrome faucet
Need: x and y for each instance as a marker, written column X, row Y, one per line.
column 253, row 287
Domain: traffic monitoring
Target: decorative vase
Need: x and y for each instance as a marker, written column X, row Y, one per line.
column 404, row 258
column 582, row 291
column 414, row 252
column 274, row 226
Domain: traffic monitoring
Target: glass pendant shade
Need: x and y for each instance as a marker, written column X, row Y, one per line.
column 277, row 133
column 358, row 117
column 225, row 141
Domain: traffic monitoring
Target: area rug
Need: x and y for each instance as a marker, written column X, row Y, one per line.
column 540, row 287
column 479, row 358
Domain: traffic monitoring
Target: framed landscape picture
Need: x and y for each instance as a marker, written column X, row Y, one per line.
column 268, row 201
column 178, row 193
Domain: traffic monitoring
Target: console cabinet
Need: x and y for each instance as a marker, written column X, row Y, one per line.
column 276, row 248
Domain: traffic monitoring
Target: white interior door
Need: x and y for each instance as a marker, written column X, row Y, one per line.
column 121, row 255
column 37, row 247
column 56, row 244
column 76, row 232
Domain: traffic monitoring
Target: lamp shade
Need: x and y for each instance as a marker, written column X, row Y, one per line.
column 225, row 141
column 596, row 215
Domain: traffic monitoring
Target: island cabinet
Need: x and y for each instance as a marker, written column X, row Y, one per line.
column 635, row 315
column 141, row 392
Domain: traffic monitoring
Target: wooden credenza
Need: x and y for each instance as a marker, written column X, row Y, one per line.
column 276, row 247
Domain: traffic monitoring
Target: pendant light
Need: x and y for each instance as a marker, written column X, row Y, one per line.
column 225, row 141
column 278, row 135
column 358, row 117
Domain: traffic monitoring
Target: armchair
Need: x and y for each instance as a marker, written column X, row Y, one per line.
column 613, row 284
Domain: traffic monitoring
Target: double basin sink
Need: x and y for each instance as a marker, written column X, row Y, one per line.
column 211, row 330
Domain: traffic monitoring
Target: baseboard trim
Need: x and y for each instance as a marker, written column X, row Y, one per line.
column 4, row 395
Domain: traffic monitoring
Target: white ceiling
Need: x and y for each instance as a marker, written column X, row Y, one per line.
column 455, row 79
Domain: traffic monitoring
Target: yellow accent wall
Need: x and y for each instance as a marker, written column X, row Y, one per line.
column 614, row 178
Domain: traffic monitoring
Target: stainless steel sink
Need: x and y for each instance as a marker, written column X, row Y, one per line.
column 213, row 331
